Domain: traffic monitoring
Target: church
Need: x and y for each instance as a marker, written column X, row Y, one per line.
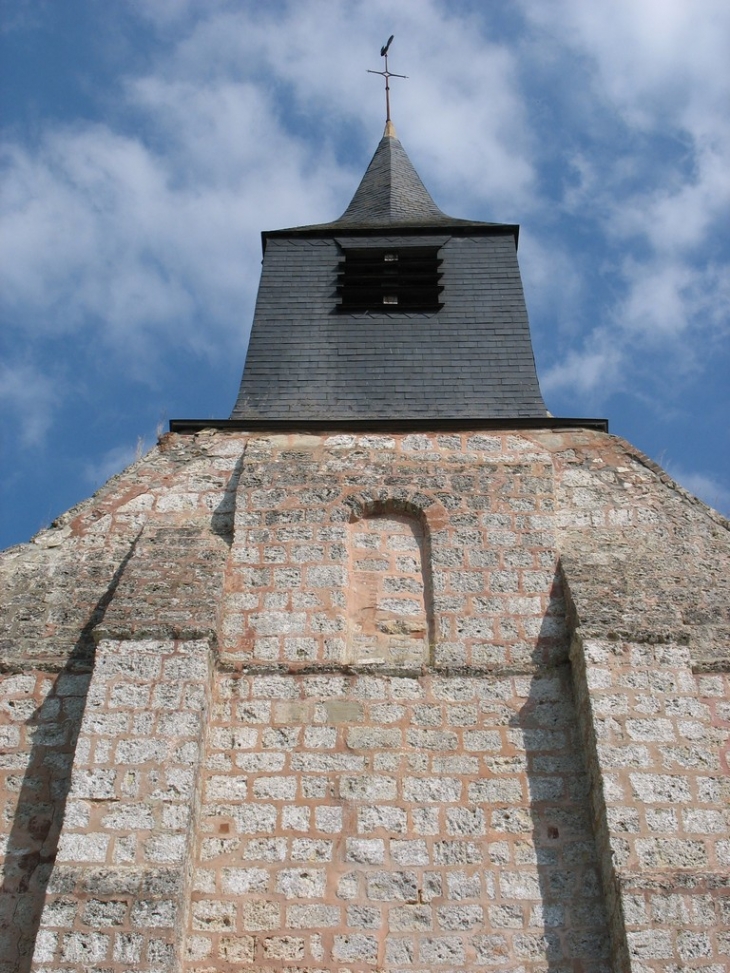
column 392, row 670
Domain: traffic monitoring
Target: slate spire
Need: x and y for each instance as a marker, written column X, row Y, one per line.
column 391, row 191
column 391, row 194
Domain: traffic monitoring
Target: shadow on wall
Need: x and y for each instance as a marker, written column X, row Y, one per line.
column 33, row 840
column 222, row 520
column 568, row 924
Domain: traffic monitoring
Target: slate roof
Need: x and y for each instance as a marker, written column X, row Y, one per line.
column 471, row 359
column 391, row 194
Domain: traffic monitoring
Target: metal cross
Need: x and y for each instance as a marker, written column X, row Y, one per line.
column 387, row 74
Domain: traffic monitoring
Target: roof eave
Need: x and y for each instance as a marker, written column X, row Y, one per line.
column 455, row 228
column 379, row 424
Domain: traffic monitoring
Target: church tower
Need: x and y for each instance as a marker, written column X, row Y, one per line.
column 394, row 312
column 390, row 670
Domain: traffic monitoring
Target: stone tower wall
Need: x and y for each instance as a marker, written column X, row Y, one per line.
column 364, row 702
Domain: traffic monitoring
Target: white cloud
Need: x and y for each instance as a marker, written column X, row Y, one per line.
column 30, row 398
column 459, row 111
column 166, row 13
column 677, row 216
column 113, row 461
column 555, row 289
column 704, row 486
column 144, row 230
column 107, row 234
column 591, row 372
column 669, row 297
column 650, row 56
column 652, row 177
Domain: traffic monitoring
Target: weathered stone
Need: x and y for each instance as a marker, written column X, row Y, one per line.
column 430, row 802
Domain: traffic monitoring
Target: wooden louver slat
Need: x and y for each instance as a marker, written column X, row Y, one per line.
column 395, row 279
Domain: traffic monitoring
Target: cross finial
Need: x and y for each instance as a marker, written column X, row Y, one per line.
column 387, row 75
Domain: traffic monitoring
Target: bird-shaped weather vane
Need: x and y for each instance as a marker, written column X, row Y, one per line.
column 387, row 75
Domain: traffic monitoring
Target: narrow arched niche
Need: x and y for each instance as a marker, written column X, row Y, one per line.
column 389, row 599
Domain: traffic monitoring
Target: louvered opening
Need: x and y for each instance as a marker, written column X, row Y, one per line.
column 403, row 279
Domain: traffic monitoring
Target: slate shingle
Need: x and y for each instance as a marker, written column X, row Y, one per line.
column 471, row 359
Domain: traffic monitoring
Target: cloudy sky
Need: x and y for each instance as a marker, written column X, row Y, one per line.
column 146, row 143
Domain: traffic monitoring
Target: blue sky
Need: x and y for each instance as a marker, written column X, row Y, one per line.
column 146, row 143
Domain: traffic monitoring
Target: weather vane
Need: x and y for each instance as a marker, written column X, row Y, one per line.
column 387, row 75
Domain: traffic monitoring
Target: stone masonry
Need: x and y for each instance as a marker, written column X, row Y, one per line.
column 370, row 701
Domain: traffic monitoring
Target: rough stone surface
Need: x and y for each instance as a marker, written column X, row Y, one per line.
column 429, row 843
column 324, row 702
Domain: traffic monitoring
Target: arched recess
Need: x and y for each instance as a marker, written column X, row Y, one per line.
column 390, row 619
